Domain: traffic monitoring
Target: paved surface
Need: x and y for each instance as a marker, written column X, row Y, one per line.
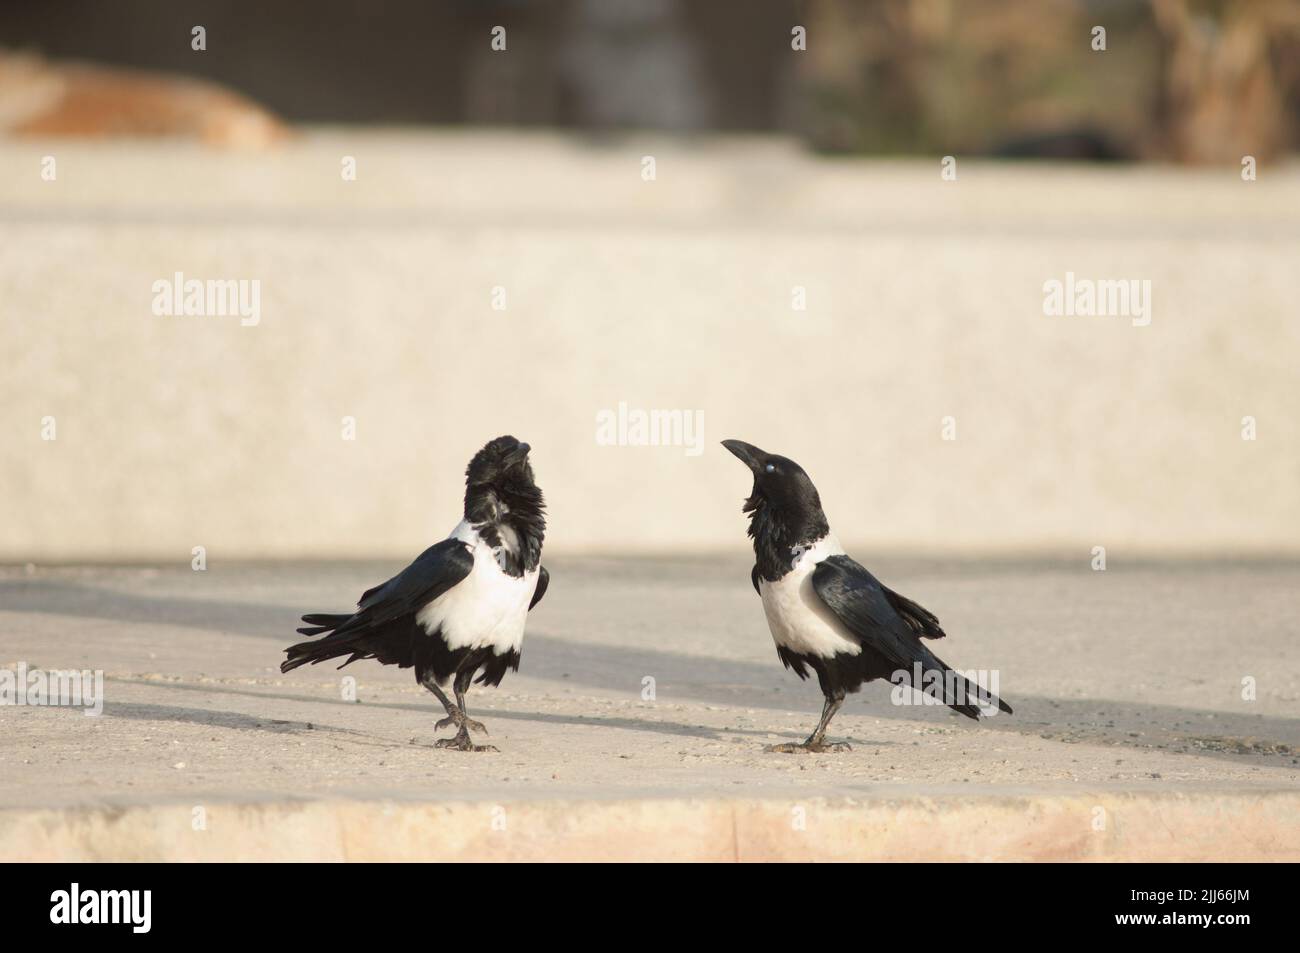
column 1127, row 681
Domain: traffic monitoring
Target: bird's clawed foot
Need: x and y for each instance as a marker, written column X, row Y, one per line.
column 461, row 721
column 462, row 743
column 810, row 747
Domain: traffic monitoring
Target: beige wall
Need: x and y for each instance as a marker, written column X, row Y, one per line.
column 924, row 300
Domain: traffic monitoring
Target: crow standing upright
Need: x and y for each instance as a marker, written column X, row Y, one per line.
column 460, row 608
column 825, row 611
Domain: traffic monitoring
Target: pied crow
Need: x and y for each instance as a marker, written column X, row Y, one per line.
column 826, row 612
column 459, row 609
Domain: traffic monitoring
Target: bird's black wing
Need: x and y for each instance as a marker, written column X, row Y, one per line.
column 543, row 580
column 385, row 618
column 753, row 577
column 434, row 571
column 860, row 602
column 918, row 618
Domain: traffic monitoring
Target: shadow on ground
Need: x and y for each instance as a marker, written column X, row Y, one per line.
column 729, row 682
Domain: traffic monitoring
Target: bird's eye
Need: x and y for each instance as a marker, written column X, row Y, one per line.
column 770, row 468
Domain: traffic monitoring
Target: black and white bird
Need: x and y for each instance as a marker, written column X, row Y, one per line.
column 826, row 612
column 460, row 608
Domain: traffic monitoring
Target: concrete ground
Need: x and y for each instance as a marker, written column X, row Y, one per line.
column 1127, row 687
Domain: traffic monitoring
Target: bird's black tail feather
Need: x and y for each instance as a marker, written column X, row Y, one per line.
column 322, row 622
column 332, row 646
column 972, row 699
column 958, row 692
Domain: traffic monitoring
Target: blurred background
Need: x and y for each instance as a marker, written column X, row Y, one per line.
column 1181, row 80
column 499, row 260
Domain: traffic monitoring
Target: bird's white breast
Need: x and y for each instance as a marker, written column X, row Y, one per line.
column 488, row 608
column 799, row 620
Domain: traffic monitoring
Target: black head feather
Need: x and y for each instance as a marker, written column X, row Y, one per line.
column 784, row 509
column 505, row 505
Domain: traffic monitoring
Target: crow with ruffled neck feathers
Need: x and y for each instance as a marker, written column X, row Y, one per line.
column 459, row 609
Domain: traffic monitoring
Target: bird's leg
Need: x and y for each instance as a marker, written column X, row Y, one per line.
column 462, row 684
column 816, row 743
column 456, row 715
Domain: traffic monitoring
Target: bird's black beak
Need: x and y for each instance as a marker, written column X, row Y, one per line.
column 519, row 454
column 747, row 453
